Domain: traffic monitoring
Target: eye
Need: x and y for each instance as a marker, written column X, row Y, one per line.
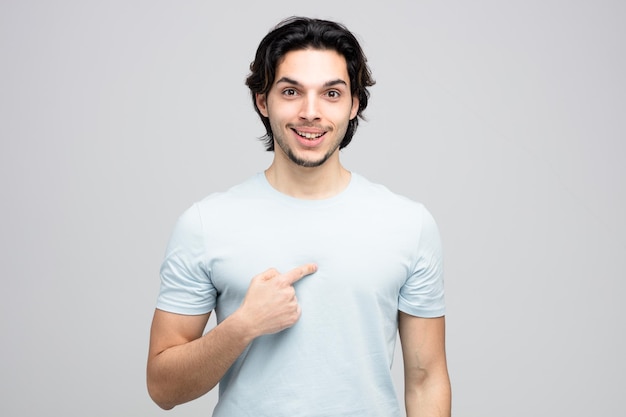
column 333, row 94
column 290, row 92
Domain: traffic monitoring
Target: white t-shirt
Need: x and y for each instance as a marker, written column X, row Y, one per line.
column 376, row 252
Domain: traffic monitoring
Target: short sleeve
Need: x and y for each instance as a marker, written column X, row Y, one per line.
column 422, row 294
column 186, row 286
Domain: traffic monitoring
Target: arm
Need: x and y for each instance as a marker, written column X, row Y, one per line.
column 184, row 365
column 426, row 382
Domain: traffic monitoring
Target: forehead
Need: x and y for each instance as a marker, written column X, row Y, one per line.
column 313, row 66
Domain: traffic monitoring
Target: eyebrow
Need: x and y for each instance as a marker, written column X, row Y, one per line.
column 326, row 84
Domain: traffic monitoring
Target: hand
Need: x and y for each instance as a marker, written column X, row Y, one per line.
column 270, row 304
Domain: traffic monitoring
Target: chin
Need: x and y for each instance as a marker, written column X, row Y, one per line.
column 307, row 163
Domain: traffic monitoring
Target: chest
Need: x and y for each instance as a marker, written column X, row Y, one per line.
column 362, row 256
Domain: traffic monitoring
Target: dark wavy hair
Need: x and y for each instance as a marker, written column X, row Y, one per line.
column 297, row 33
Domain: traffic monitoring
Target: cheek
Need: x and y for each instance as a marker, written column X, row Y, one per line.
column 342, row 115
column 280, row 109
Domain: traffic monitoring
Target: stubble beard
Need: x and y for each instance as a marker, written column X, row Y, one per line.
column 306, row 163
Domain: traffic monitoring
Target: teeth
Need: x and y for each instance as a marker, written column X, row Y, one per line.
column 309, row 135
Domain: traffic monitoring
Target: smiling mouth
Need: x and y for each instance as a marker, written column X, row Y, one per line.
column 308, row 135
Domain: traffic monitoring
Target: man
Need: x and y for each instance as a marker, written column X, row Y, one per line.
column 311, row 269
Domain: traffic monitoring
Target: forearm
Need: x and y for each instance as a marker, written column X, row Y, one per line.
column 428, row 395
column 183, row 364
column 185, row 372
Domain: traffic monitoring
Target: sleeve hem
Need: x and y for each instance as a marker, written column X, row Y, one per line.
column 420, row 312
column 186, row 310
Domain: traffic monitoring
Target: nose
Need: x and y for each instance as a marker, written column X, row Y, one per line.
column 310, row 108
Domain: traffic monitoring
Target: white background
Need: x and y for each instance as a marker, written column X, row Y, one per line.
column 505, row 118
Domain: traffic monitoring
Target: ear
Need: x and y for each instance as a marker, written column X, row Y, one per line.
column 355, row 107
column 261, row 104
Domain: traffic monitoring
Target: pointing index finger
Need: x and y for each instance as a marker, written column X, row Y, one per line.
column 300, row 272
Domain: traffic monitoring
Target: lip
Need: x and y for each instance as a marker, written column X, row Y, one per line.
column 309, row 143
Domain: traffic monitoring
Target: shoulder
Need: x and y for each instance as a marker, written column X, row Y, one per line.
column 194, row 218
column 404, row 212
column 379, row 194
column 250, row 189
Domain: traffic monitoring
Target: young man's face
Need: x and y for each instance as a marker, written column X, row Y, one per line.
column 309, row 106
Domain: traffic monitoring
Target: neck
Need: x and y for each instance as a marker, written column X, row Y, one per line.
column 318, row 183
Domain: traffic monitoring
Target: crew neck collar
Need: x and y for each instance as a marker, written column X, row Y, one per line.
column 306, row 202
